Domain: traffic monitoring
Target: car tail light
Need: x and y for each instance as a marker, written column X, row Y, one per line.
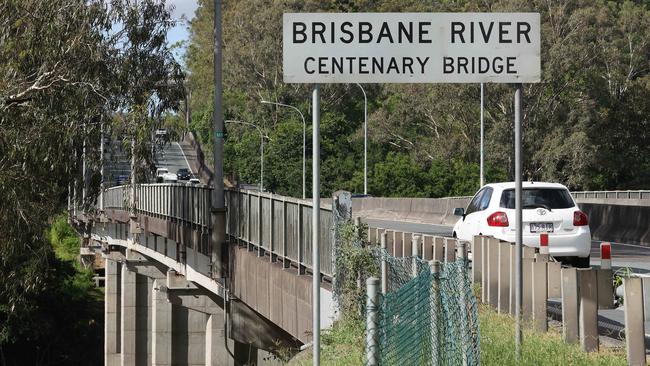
column 498, row 219
column 580, row 219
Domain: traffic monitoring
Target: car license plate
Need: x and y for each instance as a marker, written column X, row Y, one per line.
column 541, row 227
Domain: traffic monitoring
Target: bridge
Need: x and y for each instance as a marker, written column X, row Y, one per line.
column 165, row 306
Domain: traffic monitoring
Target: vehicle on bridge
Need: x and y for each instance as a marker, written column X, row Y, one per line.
column 183, row 174
column 547, row 208
column 164, row 176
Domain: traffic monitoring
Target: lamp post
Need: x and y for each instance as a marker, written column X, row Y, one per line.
column 482, row 176
column 261, row 148
column 304, row 141
column 365, row 140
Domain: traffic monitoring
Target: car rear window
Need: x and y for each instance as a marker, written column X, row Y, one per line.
column 538, row 197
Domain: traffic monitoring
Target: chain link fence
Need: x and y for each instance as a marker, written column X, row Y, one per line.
column 428, row 315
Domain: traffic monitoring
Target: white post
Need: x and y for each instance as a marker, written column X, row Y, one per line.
column 518, row 223
column 316, row 224
column 481, row 173
column 372, row 347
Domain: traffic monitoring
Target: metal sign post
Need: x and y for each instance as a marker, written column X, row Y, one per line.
column 518, row 222
column 315, row 233
column 482, row 179
column 346, row 48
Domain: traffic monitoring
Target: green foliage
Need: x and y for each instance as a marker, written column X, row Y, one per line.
column 497, row 345
column 354, row 264
column 585, row 124
column 342, row 345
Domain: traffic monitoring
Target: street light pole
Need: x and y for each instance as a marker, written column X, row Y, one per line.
column 261, row 148
column 219, row 259
column 482, row 175
column 304, row 143
column 365, row 140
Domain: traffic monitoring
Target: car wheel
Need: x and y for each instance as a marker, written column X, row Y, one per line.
column 580, row 262
column 454, row 235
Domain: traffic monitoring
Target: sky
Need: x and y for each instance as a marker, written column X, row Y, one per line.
column 183, row 8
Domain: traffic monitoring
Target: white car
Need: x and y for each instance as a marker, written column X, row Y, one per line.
column 547, row 208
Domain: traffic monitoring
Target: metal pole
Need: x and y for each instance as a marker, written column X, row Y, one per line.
column 316, row 223
column 218, row 209
column 482, row 174
column 101, row 167
column 83, row 172
column 384, row 265
column 518, row 222
column 372, row 347
column 133, row 176
column 261, row 162
column 218, row 197
column 365, row 140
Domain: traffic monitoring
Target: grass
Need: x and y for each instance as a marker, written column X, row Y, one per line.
column 344, row 345
column 497, row 345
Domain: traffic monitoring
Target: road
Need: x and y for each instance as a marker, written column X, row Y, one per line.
column 636, row 257
column 171, row 157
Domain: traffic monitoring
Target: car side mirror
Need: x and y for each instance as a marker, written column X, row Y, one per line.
column 459, row 211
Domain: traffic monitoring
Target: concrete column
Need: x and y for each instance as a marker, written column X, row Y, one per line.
column 492, row 255
column 438, row 248
column 450, row 250
column 427, row 247
column 372, row 236
column 406, row 244
column 484, row 273
column 161, row 325
column 476, row 259
column 554, row 280
column 605, row 288
column 504, row 278
column 570, row 305
column 128, row 311
column 527, row 293
column 634, row 327
column 512, row 279
column 397, row 243
column 588, row 322
column 646, row 298
column 112, row 313
column 540, row 294
column 215, row 354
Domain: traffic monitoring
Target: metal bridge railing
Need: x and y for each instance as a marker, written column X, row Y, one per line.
column 281, row 226
column 277, row 225
column 633, row 195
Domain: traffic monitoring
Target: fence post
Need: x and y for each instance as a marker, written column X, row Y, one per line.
column 435, row 301
column 634, row 327
column 484, row 272
column 476, row 259
column 450, row 250
column 372, row 333
column 588, row 322
column 384, row 265
column 504, row 278
column 570, row 305
column 540, row 293
column 415, row 242
column 492, row 255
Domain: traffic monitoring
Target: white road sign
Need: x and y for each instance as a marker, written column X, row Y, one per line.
column 411, row 47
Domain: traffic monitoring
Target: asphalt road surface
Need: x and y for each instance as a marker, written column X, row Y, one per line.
column 636, row 257
column 172, row 158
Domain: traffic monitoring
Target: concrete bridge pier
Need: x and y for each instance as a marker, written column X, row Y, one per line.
column 155, row 317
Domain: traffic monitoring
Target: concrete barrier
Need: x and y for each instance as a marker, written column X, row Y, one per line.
column 618, row 220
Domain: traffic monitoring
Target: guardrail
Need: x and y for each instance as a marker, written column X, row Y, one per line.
column 633, row 195
column 189, row 204
column 280, row 226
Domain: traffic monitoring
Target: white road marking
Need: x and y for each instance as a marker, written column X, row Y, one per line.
column 184, row 157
